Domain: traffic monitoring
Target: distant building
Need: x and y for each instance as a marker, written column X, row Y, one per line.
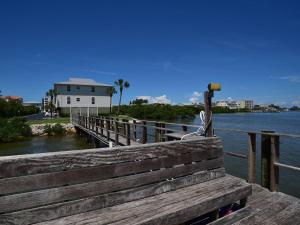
column 82, row 96
column 246, row 104
column 33, row 103
column 45, row 102
column 12, row 98
column 222, row 103
column 242, row 104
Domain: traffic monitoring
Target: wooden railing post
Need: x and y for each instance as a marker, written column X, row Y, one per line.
column 208, row 113
column 265, row 158
column 251, row 157
column 163, row 131
column 101, row 126
column 134, row 129
column 274, row 170
column 97, row 125
column 116, row 132
column 107, row 129
column 144, row 135
column 128, row 133
column 156, row 132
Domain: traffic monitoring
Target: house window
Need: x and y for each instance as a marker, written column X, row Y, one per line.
column 93, row 100
column 77, row 87
column 68, row 88
column 93, row 89
column 77, row 99
column 68, row 100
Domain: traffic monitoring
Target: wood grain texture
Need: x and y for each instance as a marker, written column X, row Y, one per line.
column 55, row 195
column 172, row 207
column 89, row 174
column 34, row 215
column 265, row 207
column 13, row 166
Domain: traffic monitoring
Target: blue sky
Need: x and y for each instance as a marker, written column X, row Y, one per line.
column 171, row 48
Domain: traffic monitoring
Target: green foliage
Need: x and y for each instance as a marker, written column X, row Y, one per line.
column 14, row 129
column 56, row 129
column 139, row 101
column 295, row 108
column 168, row 112
column 14, row 108
column 158, row 111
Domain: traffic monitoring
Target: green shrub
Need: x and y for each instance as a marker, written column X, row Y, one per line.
column 48, row 129
column 14, row 129
column 56, row 129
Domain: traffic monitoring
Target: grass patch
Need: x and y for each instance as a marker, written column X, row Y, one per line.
column 49, row 121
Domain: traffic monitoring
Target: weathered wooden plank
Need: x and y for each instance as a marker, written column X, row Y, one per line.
column 290, row 215
column 54, row 195
column 140, row 207
column 88, row 174
column 266, row 209
column 188, row 209
column 188, row 205
column 233, row 217
column 12, row 166
column 54, row 211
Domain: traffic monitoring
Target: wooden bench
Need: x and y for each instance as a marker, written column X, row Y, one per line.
column 161, row 183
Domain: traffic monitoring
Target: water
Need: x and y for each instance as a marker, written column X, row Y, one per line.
column 285, row 122
column 43, row 144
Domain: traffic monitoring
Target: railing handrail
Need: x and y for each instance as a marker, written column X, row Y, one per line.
column 160, row 129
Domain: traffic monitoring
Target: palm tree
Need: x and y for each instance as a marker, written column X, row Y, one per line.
column 121, row 85
column 111, row 91
column 52, row 93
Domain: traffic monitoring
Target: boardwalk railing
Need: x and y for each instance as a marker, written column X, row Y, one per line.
column 142, row 131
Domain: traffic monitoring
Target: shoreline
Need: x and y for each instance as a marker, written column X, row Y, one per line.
column 39, row 129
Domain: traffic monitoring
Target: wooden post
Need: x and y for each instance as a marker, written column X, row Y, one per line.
column 134, row 129
column 251, row 157
column 107, row 129
column 274, row 170
column 144, row 137
column 156, row 133
column 265, row 158
column 101, row 126
column 128, row 133
column 163, row 137
column 116, row 132
column 208, row 113
column 184, row 128
column 97, row 125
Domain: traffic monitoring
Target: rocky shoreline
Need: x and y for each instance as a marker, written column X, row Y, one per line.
column 39, row 129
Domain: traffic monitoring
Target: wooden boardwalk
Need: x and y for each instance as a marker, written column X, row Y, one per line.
column 265, row 207
column 106, row 136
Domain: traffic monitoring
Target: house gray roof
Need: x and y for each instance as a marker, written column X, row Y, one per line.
column 82, row 81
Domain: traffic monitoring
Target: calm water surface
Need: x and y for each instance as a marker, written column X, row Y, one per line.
column 43, row 144
column 285, row 122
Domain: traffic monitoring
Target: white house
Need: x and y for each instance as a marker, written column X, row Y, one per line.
column 82, row 96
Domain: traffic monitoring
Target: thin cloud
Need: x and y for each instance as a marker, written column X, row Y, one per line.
column 158, row 99
column 292, row 78
column 101, row 72
column 195, row 97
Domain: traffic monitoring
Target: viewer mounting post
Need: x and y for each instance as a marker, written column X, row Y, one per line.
column 208, row 95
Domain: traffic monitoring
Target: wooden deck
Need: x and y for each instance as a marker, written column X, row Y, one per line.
column 103, row 137
column 265, row 207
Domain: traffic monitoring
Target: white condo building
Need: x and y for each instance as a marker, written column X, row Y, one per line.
column 82, row 96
